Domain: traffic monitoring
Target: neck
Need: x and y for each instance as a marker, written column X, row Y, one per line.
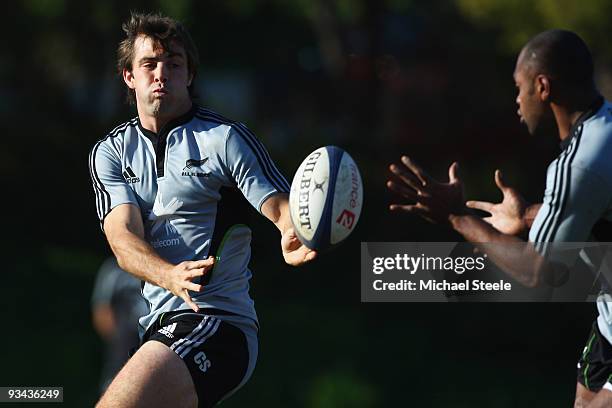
column 566, row 114
column 156, row 122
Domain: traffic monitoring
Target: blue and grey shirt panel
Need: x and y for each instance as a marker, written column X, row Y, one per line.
column 181, row 181
column 577, row 205
column 578, row 191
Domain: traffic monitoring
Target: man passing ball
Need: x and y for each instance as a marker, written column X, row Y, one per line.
column 165, row 183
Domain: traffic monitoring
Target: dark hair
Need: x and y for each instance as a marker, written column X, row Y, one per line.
column 163, row 31
column 562, row 55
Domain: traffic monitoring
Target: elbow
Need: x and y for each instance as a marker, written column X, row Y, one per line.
column 534, row 281
column 548, row 274
column 119, row 254
column 534, row 278
column 121, row 261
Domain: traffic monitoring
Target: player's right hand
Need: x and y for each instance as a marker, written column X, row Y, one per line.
column 508, row 216
column 433, row 200
column 294, row 252
column 178, row 280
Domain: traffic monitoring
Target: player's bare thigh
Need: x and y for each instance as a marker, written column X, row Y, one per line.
column 603, row 399
column 154, row 377
column 583, row 396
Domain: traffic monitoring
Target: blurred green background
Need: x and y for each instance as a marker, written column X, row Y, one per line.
column 432, row 79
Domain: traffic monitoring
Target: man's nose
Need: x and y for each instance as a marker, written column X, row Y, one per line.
column 161, row 73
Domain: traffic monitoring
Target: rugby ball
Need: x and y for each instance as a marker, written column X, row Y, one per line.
column 326, row 198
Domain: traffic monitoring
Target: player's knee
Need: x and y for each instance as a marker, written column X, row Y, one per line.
column 583, row 396
column 580, row 402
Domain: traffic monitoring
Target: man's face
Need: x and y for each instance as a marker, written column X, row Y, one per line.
column 531, row 99
column 160, row 78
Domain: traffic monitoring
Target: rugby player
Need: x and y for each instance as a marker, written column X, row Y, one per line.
column 554, row 77
column 164, row 184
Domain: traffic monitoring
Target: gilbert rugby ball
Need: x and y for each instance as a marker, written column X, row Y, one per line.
column 326, row 198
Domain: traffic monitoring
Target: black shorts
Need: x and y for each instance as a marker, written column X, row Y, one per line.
column 215, row 352
column 595, row 364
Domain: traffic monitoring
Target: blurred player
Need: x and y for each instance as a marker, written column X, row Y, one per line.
column 116, row 305
column 554, row 77
column 164, row 184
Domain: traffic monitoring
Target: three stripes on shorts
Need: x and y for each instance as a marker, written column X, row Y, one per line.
column 203, row 331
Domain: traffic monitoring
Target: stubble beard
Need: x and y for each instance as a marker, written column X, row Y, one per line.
column 157, row 108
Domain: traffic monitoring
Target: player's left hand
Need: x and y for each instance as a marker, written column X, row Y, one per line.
column 508, row 216
column 294, row 252
column 433, row 200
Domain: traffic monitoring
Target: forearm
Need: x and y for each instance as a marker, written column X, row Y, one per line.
column 137, row 257
column 514, row 256
column 474, row 230
column 276, row 209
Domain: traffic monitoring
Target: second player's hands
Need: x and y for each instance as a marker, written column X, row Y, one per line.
column 507, row 216
column 178, row 280
column 294, row 252
column 433, row 200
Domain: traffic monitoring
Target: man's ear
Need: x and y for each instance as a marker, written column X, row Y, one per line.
column 543, row 87
column 190, row 79
column 128, row 78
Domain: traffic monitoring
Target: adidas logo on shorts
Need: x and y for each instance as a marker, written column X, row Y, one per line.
column 168, row 330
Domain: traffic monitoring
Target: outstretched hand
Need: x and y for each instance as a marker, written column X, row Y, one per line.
column 433, row 200
column 508, row 216
column 294, row 252
column 178, row 280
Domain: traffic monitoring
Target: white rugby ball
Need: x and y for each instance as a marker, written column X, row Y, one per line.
column 326, row 198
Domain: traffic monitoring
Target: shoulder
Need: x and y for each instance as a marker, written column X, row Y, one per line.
column 594, row 147
column 212, row 119
column 120, row 130
column 209, row 116
column 117, row 134
column 211, row 126
column 600, row 124
column 110, row 146
column 225, row 133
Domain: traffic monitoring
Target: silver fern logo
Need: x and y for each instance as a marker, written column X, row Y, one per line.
column 192, row 166
column 191, row 163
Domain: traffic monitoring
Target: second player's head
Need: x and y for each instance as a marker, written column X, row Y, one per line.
column 158, row 61
column 554, row 67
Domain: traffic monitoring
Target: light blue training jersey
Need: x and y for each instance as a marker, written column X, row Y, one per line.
column 578, row 195
column 184, row 180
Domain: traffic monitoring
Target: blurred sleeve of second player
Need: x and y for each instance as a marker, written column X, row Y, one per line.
column 102, row 312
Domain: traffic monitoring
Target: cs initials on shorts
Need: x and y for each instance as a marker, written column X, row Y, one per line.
column 202, row 361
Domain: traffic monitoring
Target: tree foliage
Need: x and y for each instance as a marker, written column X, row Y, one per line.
column 518, row 20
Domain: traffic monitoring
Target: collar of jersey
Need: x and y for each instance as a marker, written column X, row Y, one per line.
column 163, row 132
column 577, row 126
